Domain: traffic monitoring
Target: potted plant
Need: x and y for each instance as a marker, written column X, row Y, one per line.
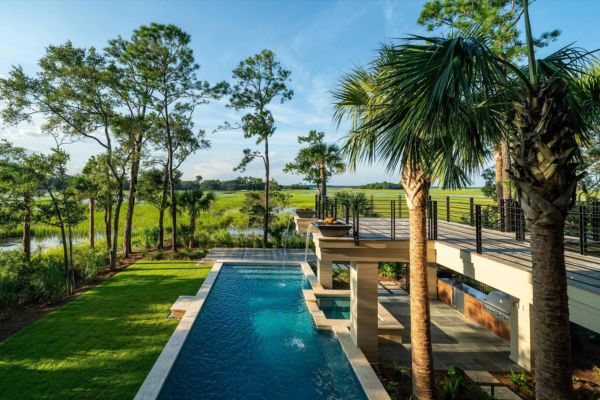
column 331, row 227
column 305, row 212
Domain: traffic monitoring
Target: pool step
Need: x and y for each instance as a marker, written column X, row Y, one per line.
column 180, row 306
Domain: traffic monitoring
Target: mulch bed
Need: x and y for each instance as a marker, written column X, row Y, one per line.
column 29, row 314
column 586, row 384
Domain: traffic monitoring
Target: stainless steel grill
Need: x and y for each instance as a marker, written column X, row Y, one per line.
column 499, row 304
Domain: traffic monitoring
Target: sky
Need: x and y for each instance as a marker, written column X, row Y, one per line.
column 318, row 41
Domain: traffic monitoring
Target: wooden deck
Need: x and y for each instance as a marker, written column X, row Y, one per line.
column 583, row 270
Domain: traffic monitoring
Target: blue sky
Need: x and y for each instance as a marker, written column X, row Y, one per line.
column 317, row 40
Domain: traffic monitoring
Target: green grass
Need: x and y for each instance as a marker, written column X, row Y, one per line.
column 103, row 344
column 225, row 211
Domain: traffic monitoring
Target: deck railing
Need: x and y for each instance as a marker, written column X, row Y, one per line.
column 380, row 214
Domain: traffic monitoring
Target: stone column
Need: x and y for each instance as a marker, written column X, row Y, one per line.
column 521, row 344
column 324, row 273
column 363, row 308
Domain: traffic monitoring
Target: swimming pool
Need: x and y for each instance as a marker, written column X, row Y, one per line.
column 254, row 339
column 334, row 307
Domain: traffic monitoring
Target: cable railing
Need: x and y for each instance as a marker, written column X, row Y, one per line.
column 382, row 217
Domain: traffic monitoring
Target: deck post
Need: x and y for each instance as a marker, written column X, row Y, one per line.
column 502, row 215
column 435, row 220
column 596, row 220
column 471, row 212
column 582, row 230
column 478, row 239
column 324, row 273
column 393, row 221
column 363, row 308
column 521, row 346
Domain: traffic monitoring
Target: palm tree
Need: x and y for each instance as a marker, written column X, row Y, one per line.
column 194, row 201
column 318, row 161
column 438, row 153
column 456, row 86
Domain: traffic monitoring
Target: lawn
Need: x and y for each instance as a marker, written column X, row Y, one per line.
column 103, row 344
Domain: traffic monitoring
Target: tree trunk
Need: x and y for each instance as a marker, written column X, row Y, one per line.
column 416, row 188
column 115, row 235
column 323, row 178
column 553, row 365
column 545, row 174
column 506, row 189
column 26, row 241
column 133, row 179
column 191, row 243
column 267, row 194
column 108, row 208
column 173, row 212
column 91, row 227
column 161, row 215
column 499, row 166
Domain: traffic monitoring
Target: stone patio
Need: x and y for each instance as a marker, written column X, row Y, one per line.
column 457, row 341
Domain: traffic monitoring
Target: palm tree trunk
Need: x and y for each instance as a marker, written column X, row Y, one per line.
column 192, row 230
column 546, row 178
column 499, row 187
column 323, row 179
column 91, row 230
column 551, row 313
column 417, row 189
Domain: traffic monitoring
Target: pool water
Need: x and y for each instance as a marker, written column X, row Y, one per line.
column 254, row 339
column 334, row 307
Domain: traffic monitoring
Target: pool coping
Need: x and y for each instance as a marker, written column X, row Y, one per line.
column 156, row 378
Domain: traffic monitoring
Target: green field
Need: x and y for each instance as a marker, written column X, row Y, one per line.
column 103, row 344
column 225, row 212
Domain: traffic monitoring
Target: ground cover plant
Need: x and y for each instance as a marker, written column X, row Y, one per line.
column 103, row 344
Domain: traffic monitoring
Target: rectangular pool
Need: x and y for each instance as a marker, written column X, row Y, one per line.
column 255, row 339
column 334, row 307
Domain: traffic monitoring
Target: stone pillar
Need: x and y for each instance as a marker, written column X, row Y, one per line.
column 432, row 280
column 521, row 337
column 363, row 308
column 324, row 273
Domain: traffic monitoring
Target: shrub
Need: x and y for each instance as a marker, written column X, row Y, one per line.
column 519, row 380
column 89, row 263
column 47, row 283
column 22, row 282
column 452, row 384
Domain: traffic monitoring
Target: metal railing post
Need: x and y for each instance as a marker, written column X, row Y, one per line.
column 478, row 241
column 435, row 219
column 355, row 225
column 501, row 215
column 596, row 220
column 519, row 224
column 582, row 229
column 317, row 200
column 393, row 214
column 347, row 212
column 471, row 216
column 448, row 208
column 335, row 207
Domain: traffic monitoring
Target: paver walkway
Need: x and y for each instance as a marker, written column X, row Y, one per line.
column 457, row 341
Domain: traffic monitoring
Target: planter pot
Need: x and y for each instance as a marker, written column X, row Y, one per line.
column 332, row 230
column 305, row 213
